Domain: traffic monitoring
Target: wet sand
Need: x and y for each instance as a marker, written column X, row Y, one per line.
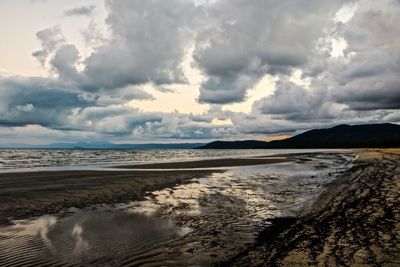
column 196, row 222
column 355, row 222
column 210, row 163
column 27, row 194
column 23, row 195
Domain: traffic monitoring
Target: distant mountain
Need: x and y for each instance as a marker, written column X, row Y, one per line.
column 108, row 145
column 341, row 136
column 83, row 145
column 159, row 146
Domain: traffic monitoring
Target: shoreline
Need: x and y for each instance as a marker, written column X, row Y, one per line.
column 354, row 222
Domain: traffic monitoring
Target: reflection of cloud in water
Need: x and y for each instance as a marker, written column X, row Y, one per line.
column 89, row 237
column 227, row 207
column 40, row 228
column 81, row 245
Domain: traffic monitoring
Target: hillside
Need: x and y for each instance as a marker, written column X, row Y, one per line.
column 341, row 136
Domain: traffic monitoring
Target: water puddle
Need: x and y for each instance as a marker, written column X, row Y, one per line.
column 194, row 224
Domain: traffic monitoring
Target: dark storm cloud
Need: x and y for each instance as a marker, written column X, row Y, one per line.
column 37, row 101
column 53, row 104
column 147, row 43
column 225, row 89
column 246, row 41
column 148, row 40
column 130, row 121
column 79, row 11
column 64, row 62
column 288, row 99
column 371, row 80
column 294, row 103
column 372, row 93
column 362, row 86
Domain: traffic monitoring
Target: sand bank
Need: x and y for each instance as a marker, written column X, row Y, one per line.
column 23, row 195
column 210, row 163
column 28, row 194
column 356, row 222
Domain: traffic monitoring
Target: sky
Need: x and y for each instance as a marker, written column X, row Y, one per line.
column 141, row 71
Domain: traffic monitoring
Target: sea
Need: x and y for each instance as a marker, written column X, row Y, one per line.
column 65, row 159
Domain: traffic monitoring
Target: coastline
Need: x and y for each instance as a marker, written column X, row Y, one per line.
column 355, row 222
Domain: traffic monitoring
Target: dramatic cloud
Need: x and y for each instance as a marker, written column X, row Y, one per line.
column 291, row 101
column 370, row 79
column 130, row 121
column 246, row 41
column 327, row 62
column 37, row 101
column 52, row 104
column 359, row 85
column 51, row 39
column 148, row 42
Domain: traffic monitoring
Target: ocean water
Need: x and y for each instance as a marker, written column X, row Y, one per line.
column 42, row 159
column 203, row 221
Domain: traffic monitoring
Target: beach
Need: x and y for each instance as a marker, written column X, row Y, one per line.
column 355, row 222
column 299, row 209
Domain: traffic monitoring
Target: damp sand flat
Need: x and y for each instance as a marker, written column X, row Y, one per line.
column 23, row 195
column 27, row 194
column 212, row 163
